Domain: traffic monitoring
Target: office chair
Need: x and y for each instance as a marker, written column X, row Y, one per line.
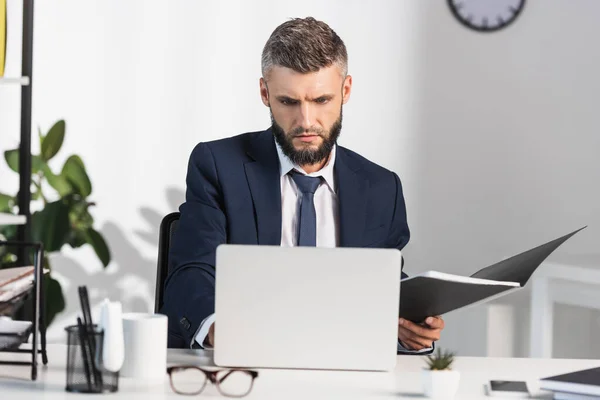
column 168, row 226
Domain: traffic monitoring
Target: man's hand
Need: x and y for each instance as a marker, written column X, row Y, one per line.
column 210, row 338
column 419, row 336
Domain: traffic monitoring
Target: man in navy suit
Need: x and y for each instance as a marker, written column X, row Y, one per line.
column 290, row 185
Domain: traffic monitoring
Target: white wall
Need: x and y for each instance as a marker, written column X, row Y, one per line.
column 508, row 148
column 141, row 82
column 494, row 136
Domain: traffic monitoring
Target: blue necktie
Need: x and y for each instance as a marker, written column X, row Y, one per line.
column 307, row 226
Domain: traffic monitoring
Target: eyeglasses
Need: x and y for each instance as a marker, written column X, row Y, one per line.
column 191, row 380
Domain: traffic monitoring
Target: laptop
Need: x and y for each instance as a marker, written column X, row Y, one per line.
column 307, row 307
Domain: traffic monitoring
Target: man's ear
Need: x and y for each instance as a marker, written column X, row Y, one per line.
column 264, row 92
column 346, row 89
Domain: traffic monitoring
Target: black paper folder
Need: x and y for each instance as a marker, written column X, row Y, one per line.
column 435, row 293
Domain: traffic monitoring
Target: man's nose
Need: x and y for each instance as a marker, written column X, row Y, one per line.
column 306, row 116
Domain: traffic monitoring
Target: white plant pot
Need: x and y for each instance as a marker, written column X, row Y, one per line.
column 440, row 384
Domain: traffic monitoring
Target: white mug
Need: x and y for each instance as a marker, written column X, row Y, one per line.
column 145, row 340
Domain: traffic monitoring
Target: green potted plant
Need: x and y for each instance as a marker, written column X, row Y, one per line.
column 62, row 203
column 439, row 380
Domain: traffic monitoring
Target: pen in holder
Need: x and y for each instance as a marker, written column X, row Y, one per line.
column 85, row 371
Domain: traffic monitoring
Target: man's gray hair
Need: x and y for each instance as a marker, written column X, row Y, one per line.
column 304, row 45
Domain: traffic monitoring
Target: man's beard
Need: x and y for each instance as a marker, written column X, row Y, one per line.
column 307, row 156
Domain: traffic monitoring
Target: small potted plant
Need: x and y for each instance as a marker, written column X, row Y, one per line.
column 439, row 380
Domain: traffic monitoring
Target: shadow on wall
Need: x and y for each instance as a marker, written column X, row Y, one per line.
column 130, row 278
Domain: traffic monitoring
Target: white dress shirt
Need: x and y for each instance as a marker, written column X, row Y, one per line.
column 326, row 209
column 325, row 200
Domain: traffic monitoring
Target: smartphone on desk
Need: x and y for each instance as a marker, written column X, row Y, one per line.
column 513, row 389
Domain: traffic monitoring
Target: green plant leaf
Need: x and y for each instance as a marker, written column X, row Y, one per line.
column 12, row 159
column 3, row 249
column 77, row 238
column 9, row 232
column 51, row 225
column 55, row 301
column 99, row 244
column 74, row 172
column 58, row 182
column 53, row 141
column 36, row 164
column 440, row 360
column 6, row 202
column 7, row 256
column 79, row 215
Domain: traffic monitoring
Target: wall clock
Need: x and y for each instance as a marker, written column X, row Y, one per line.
column 486, row 15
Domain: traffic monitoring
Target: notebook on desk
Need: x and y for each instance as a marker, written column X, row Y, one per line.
column 13, row 333
column 9, row 275
column 584, row 383
column 15, row 281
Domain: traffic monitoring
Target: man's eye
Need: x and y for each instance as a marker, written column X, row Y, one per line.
column 321, row 100
column 288, row 102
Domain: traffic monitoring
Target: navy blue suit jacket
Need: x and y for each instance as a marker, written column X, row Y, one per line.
column 234, row 196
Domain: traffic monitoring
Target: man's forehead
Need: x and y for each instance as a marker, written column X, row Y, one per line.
column 282, row 80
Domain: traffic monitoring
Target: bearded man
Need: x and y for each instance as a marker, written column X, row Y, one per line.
column 290, row 185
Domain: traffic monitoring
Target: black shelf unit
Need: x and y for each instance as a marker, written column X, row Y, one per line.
column 38, row 323
column 24, row 199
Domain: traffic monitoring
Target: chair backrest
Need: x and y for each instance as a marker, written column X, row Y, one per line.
column 167, row 227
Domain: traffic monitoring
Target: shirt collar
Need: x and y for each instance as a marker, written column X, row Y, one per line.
column 286, row 165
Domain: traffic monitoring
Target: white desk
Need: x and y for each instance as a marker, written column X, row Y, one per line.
column 404, row 382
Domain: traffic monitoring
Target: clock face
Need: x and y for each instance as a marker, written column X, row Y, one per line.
column 486, row 15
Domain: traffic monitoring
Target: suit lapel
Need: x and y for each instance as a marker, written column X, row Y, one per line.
column 352, row 196
column 265, row 186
